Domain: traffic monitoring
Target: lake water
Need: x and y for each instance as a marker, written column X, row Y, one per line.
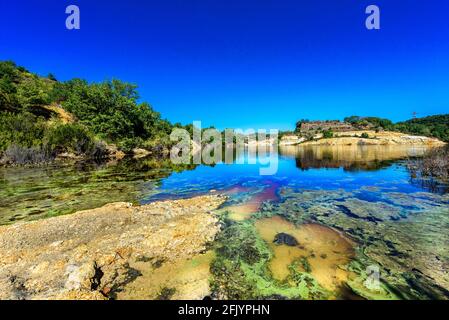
column 364, row 227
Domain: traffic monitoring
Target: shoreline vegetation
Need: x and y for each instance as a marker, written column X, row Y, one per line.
column 43, row 120
column 434, row 165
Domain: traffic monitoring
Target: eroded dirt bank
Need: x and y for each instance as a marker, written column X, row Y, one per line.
column 384, row 138
column 95, row 254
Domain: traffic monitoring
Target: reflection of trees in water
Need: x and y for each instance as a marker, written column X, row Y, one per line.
column 148, row 167
column 307, row 163
column 314, row 159
column 349, row 157
column 62, row 188
column 431, row 172
column 429, row 184
column 81, row 174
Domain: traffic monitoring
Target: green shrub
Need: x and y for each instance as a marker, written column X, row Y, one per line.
column 98, row 150
column 434, row 164
column 69, row 137
column 327, row 134
column 128, row 144
column 158, row 144
column 23, row 155
column 365, row 135
column 110, row 110
column 26, row 138
column 21, row 129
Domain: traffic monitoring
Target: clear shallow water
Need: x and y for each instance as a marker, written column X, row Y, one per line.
column 39, row 192
column 315, row 168
column 365, row 194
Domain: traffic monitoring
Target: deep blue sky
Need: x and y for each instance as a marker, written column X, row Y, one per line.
column 245, row 63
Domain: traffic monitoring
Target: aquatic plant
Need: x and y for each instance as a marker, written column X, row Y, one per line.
column 435, row 164
column 240, row 269
column 165, row 293
column 401, row 234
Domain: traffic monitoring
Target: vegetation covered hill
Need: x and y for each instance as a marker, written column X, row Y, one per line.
column 433, row 126
column 41, row 117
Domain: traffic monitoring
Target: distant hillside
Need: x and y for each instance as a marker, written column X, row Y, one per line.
column 434, row 126
column 41, row 117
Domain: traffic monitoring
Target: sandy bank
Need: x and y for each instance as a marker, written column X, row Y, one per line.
column 375, row 138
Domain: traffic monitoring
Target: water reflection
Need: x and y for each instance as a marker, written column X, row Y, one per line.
column 351, row 157
column 430, row 184
column 28, row 193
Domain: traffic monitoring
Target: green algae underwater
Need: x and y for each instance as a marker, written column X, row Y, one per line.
column 314, row 230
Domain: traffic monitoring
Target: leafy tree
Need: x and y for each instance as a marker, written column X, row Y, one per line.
column 9, row 76
column 52, row 77
column 33, row 93
column 69, row 137
column 22, row 129
column 433, row 126
column 352, row 119
column 327, row 134
column 108, row 110
column 299, row 124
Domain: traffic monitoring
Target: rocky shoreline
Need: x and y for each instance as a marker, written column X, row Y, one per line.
column 95, row 254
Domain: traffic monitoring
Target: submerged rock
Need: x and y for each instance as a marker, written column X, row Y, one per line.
column 398, row 232
column 284, row 238
column 94, row 254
